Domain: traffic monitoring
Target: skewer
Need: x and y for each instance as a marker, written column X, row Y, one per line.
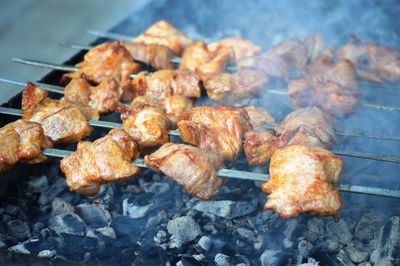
column 255, row 176
column 59, row 89
column 110, row 125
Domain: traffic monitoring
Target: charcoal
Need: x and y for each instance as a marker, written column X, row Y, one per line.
column 304, row 247
column 245, row 233
column 94, row 215
column 137, row 206
column 53, row 191
column 2, row 210
column 18, row 229
column 222, row 260
column 183, row 229
column 46, row 253
column 315, row 230
column 127, row 228
column 356, row 256
column 160, row 237
column 227, row 208
column 205, row 243
column 188, row 261
column 269, row 221
column 2, row 244
column 344, row 259
column 106, row 231
column 158, row 188
column 38, row 184
column 339, row 231
column 327, row 246
column 368, row 227
column 77, row 245
column 36, row 228
column 106, row 193
column 387, row 251
column 59, row 206
column 12, row 209
column 126, row 256
column 69, row 223
column 274, row 258
column 310, row 262
column 19, row 248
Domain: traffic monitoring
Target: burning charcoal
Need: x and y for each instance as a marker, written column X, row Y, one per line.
column 368, row 227
column 273, row 257
column 137, row 206
column 127, row 228
column 54, row 189
column 59, row 206
column 38, row 184
column 387, row 251
column 20, row 248
column 222, row 260
column 106, row 193
column 18, row 229
column 183, row 229
column 339, row 231
column 106, row 232
column 94, row 215
column 46, row 253
column 227, row 208
column 69, row 223
column 356, row 255
column 344, row 259
column 304, row 247
column 205, row 243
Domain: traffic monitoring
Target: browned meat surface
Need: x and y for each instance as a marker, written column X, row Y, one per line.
column 108, row 61
column 241, row 48
column 197, row 57
column 259, row 145
column 235, row 89
column 193, row 168
column 259, row 116
column 61, row 121
column 329, row 85
column 164, row 83
column 372, row 61
column 163, row 33
column 104, row 98
column 21, row 141
column 175, row 106
column 218, row 129
column 108, row 159
column 301, row 182
column 157, row 56
column 146, row 122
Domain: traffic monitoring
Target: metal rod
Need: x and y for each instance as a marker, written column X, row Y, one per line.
column 110, row 35
column 254, row 176
column 48, row 87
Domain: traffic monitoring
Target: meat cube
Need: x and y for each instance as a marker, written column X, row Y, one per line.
column 241, row 48
column 259, row 116
column 259, row 145
column 301, row 180
column 107, row 159
column 193, row 168
column 175, row 106
column 218, row 129
column 155, row 55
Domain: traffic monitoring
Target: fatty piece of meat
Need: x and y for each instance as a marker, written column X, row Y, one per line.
column 175, row 106
column 301, row 182
column 61, row 121
column 259, row 116
column 259, row 145
column 108, row 159
column 155, row 55
column 193, row 168
column 217, row 129
column 241, row 48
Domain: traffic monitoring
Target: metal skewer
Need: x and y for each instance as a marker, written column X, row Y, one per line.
column 106, row 124
column 254, row 176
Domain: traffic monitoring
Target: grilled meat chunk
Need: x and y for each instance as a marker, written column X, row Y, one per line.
column 197, row 57
column 241, row 48
column 372, row 61
column 104, row 98
column 175, row 106
column 146, row 122
column 164, row 83
column 235, row 89
column 61, row 121
column 163, row 33
column 108, row 61
column 107, row 159
column 301, row 182
column 157, row 56
column 259, row 145
column 193, row 168
column 218, row 129
column 21, row 141
column 259, row 116
column 329, row 85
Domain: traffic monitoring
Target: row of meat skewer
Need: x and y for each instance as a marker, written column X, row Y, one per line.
column 301, row 169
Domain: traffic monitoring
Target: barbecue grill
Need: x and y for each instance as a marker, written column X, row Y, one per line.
column 152, row 220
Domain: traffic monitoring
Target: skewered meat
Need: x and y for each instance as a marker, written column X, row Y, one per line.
column 21, row 141
column 157, row 56
column 235, row 89
column 301, row 182
column 104, row 98
column 309, row 126
column 218, row 129
column 107, row 159
column 197, row 57
column 259, row 116
column 241, row 48
column 61, row 121
column 175, row 106
column 105, row 61
column 191, row 167
column 163, row 33
column 164, row 83
column 328, row 85
column 146, row 122
column 372, row 61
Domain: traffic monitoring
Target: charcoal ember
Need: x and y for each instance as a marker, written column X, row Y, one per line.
column 127, row 228
column 38, row 184
column 46, row 253
column 19, row 248
column 343, row 258
column 304, row 248
column 387, row 251
column 75, row 246
column 69, row 223
column 226, row 208
column 58, row 206
column 205, row 243
column 368, row 227
column 356, row 255
column 53, row 191
column 274, row 257
column 106, row 193
column 222, row 260
column 94, row 215
column 183, row 230
column 339, row 231
column 18, row 229
column 137, row 206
